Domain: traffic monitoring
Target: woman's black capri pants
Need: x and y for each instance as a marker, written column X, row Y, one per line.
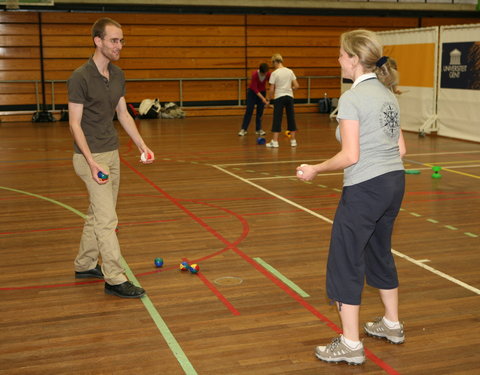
column 278, row 105
column 360, row 245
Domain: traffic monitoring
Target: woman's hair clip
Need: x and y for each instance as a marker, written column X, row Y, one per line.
column 382, row 60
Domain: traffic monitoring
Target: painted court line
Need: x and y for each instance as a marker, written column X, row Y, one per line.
column 457, row 161
column 461, row 173
column 447, row 169
column 271, row 162
column 319, row 160
column 67, row 207
column 445, row 153
column 215, row 290
column 291, row 176
column 401, row 255
column 338, row 174
column 159, row 322
column 436, row 272
column 275, row 195
column 450, row 227
column 162, row 326
column 282, row 277
column 284, row 287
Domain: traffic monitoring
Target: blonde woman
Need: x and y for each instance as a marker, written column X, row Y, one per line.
column 371, row 153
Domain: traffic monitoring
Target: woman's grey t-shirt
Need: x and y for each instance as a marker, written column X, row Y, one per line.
column 377, row 111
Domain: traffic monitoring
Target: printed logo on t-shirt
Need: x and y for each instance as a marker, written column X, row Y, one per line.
column 389, row 119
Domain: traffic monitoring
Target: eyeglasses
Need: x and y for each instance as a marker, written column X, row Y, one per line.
column 116, row 41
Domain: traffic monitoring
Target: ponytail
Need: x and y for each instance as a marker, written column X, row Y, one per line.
column 365, row 45
column 386, row 71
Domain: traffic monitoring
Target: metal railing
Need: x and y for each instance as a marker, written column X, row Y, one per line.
column 181, row 81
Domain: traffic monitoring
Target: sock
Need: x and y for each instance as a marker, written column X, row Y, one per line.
column 391, row 325
column 352, row 344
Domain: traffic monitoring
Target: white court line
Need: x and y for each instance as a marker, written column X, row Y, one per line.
column 293, row 176
column 319, row 160
column 437, row 272
column 271, row 162
column 275, row 195
column 397, row 253
column 341, row 173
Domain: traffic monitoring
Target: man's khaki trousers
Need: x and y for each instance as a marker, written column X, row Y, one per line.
column 99, row 237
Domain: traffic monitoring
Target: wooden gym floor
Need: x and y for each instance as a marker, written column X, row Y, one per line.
column 260, row 236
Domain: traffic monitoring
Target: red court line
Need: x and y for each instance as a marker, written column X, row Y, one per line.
column 441, row 199
column 232, row 246
column 237, row 241
column 215, row 291
column 233, row 199
column 130, row 147
column 31, row 166
column 312, row 309
column 177, row 203
column 278, row 282
column 440, row 192
column 48, row 195
column 77, row 227
column 53, row 285
column 40, row 230
column 147, row 222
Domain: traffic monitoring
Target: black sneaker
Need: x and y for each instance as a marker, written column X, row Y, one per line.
column 95, row 272
column 125, row 290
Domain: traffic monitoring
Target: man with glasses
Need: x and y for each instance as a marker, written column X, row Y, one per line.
column 96, row 92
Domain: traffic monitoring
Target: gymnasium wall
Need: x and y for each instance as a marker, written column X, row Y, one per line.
column 171, row 46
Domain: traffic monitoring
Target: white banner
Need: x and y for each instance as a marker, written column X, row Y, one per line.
column 459, row 82
column 415, row 51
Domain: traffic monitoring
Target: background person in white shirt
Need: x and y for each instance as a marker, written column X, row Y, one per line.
column 282, row 83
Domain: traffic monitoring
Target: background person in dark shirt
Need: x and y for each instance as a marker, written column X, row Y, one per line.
column 256, row 96
column 95, row 94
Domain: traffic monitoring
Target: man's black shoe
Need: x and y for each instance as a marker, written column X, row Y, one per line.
column 125, row 290
column 95, row 272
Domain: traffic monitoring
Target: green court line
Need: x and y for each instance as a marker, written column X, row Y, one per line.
column 471, row 234
column 67, row 207
column 433, row 221
column 162, row 326
column 284, row 279
column 415, row 214
column 157, row 319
